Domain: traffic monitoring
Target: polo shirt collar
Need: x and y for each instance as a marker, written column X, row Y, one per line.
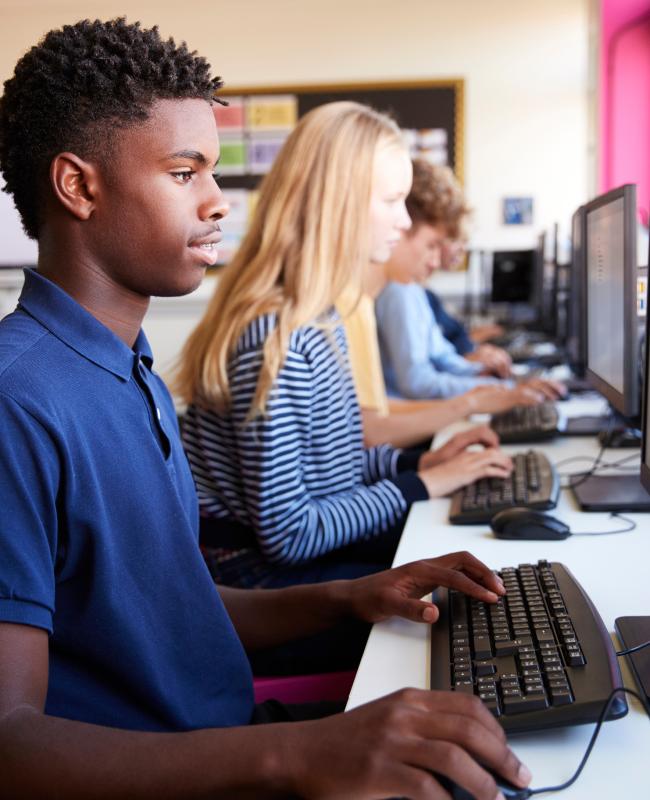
column 72, row 324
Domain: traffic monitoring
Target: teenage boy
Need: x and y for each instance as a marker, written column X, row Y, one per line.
column 122, row 668
column 418, row 361
column 437, row 215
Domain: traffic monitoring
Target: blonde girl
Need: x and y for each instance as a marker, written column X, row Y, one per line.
column 273, row 431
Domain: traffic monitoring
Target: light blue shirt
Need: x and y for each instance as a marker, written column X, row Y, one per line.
column 418, row 362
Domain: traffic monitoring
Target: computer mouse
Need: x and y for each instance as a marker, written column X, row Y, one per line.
column 524, row 523
column 507, row 789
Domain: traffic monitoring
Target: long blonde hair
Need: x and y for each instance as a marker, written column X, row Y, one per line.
column 307, row 242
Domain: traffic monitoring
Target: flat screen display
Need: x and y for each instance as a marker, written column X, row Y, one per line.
column 606, row 293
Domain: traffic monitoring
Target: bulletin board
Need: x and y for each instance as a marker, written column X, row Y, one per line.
column 254, row 126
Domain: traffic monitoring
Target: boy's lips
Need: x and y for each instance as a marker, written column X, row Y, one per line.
column 206, row 248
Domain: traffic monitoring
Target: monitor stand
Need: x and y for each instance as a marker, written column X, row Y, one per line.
column 578, row 385
column 586, row 426
column 620, row 436
column 633, row 631
column 611, row 493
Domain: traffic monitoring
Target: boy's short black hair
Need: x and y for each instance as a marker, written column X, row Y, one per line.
column 73, row 89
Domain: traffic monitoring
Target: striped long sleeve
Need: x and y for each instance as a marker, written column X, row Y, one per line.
column 299, row 476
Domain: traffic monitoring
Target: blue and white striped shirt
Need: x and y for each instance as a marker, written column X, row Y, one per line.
column 299, row 477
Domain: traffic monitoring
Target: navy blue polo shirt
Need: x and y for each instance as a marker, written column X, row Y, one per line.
column 99, row 529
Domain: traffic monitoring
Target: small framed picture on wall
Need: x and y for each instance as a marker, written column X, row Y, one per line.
column 517, row 210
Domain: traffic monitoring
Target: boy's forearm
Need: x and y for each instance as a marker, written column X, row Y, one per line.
column 46, row 756
column 268, row 617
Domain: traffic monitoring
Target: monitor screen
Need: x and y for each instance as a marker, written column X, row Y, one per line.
column 611, row 298
column 512, row 276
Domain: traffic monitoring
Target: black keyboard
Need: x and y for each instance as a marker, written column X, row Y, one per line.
column 533, row 483
column 539, row 355
column 526, row 423
column 539, row 658
column 519, row 338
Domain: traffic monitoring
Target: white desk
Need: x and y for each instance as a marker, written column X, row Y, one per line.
column 615, row 573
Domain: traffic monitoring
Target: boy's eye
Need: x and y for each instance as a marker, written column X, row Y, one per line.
column 183, row 177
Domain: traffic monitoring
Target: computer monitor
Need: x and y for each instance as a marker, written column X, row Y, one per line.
column 613, row 341
column 576, row 342
column 611, row 298
column 512, row 276
column 547, row 278
column 539, row 261
column 562, row 298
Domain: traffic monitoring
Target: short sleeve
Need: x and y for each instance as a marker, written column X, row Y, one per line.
column 365, row 359
column 29, row 481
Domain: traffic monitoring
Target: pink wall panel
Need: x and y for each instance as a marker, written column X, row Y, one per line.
column 624, row 97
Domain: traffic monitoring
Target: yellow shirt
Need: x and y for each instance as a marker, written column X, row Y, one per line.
column 361, row 332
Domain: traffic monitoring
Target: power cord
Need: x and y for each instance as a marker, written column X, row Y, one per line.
column 586, row 475
column 601, row 718
column 633, row 649
column 620, row 464
column 630, row 527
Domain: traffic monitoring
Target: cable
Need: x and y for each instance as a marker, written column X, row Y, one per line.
column 597, row 460
column 592, row 741
column 631, row 526
column 620, row 464
column 633, row 649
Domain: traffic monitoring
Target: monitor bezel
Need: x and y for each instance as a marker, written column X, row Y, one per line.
column 645, row 401
column 539, row 264
column 577, row 290
column 627, row 402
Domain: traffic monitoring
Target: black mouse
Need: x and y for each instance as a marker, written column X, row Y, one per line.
column 524, row 523
column 507, row 789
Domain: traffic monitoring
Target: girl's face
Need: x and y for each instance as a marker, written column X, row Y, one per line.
column 391, row 183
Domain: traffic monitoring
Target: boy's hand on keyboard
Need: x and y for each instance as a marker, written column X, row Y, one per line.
column 392, row 746
column 397, row 592
column 465, row 468
column 495, row 360
column 479, row 434
column 496, row 399
column 550, row 390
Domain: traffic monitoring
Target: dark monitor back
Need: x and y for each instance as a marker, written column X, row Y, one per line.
column 512, row 273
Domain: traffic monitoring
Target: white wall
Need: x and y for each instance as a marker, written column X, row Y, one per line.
column 525, row 65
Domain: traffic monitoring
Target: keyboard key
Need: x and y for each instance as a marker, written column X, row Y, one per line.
column 518, row 705
column 505, row 648
column 560, row 697
column 482, row 647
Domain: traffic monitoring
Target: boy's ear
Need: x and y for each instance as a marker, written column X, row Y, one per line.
column 74, row 183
